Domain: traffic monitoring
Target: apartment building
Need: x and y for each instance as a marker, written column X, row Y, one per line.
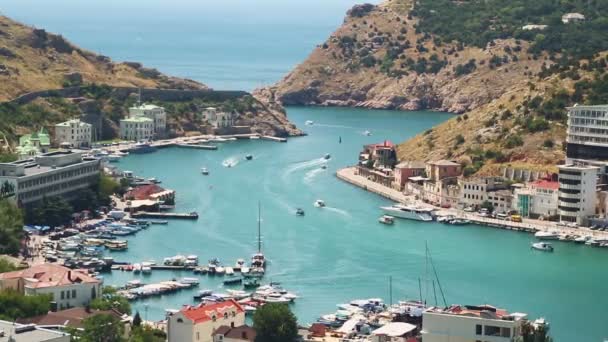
column 587, row 133
column 218, row 119
column 153, row 112
column 538, row 198
column 577, row 192
column 61, row 173
column 474, row 192
column 438, row 170
column 137, row 128
column 73, row 133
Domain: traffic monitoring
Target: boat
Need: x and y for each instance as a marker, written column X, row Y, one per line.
column 251, row 283
column 323, row 167
column 319, row 203
column 116, row 245
column 258, row 260
column 299, row 212
column 542, row 235
column 113, row 158
column 204, row 171
column 445, row 219
column 189, row 281
column 386, row 219
column 592, row 242
column 459, row 222
column 309, row 123
column 327, row 156
column 367, row 133
column 146, row 269
column 154, row 180
column 142, row 147
column 203, row 294
column 582, row 239
column 542, row 246
column 233, row 280
column 229, row 271
column 136, row 268
column 409, row 212
column 220, row 270
column 248, row 157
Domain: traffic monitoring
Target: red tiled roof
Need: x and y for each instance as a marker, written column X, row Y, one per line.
column 204, row 313
column 546, row 184
column 143, row 192
column 50, row 275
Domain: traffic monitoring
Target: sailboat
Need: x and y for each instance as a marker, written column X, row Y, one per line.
column 258, row 261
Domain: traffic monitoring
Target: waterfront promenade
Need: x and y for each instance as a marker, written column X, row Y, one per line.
column 528, row 225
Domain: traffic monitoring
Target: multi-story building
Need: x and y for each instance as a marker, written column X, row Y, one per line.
column 577, row 192
column 218, row 119
column 137, row 128
column 379, row 156
column 471, row 324
column 198, row 323
column 73, row 133
column 587, row 133
column 61, row 173
column 406, row 169
column 15, row 332
column 474, row 192
column 68, row 288
column 156, row 113
column 538, row 198
column 438, row 170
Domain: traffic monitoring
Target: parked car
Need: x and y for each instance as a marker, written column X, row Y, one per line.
column 469, row 209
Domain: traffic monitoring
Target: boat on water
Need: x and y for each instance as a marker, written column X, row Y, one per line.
column 445, row 219
column 233, row 280
column 113, row 158
column 459, row 222
column 202, row 294
column 229, row 271
column 251, row 283
column 319, row 203
column 367, row 133
column 386, row 219
column 146, row 269
column 323, row 167
column 542, row 246
column 582, row 239
column 117, row 245
column 542, row 235
column 204, row 171
column 142, row 147
column 248, row 157
column 409, row 212
column 220, row 270
column 299, row 212
column 327, row 156
column 309, row 122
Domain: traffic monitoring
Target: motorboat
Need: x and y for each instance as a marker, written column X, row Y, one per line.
column 409, row 212
column 323, row 167
column 146, row 269
column 582, row 239
column 136, row 268
column 309, row 123
column 204, row 171
column 299, row 212
column 445, row 219
column 386, row 219
column 233, row 280
column 113, row 158
column 327, row 156
column 142, row 147
column 248, row 157
column 542, row 235
column 189, row 281
column 202, row 294
column 367, row 133
column 229, row 271
column 220, row 270
column 319, row 203
column 459, row 222
column 251, row 283
column 542, row 246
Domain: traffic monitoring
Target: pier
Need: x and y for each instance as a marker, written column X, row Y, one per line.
column 271, row 138
column 199, row 147
column 147, row 214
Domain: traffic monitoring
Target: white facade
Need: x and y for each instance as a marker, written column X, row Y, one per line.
column 197, row 324
column 73, row 132
column 577, row 192
column 588, row 125
column 156, row 113
column 474, row 192
column 16, row 332
column 137, row 129
column 538, row 198
column 218, row 119
column 572, row 17
column 67, row 296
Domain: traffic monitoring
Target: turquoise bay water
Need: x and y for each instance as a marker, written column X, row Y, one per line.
column 340, row 253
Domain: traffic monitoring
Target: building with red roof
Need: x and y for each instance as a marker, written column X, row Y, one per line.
column 69, row 288
column 150, row 192
column 199, row 323
column 538, row 198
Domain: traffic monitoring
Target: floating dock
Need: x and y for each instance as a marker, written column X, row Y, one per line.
column 147, row 214
column 198, row 147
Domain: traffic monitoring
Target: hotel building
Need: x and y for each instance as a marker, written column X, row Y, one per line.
column 577, row 192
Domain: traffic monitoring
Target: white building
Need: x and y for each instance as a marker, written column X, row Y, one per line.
column 538, row 198
column 218, row 119
column 474, row 192
column 155, row 113
column 15, row 332
column 61, row 173
column 68, row 288
column 572, row 17
column 470, row 324
column 587, row 133
column 137, row 128
column 74, row 133
column 532, row 27
column 577, row 192
column 198, row 323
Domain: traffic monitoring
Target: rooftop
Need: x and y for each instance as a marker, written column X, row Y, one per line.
column 385, row 143
column 49, row 275
column 243, row 333
column 137, row 119
column 443, row 162
column 73, row 121
column 70, row 318
column 144, row 192
column 546, row 184
column 478, row 311
column 577, row 167
column 146, row 106
column 23, row 333
column 204, row 313
column 394, row 329
column 577, row 106
column 411, row 164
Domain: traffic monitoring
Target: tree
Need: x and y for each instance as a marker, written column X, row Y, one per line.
column 487, row 205
column 106, row 187
column 137, row 319
column 53, row 211
column 102, row 328
column 274, row 322
column 111, row 300
column 529, row 333
column 147, row 334
column 11, row 227
column 14, row 305
column 7, row 266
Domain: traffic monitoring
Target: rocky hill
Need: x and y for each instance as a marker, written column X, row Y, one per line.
column 34, row 60
column 509, row 84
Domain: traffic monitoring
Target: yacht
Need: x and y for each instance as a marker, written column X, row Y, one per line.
column 142, row 147
column 113, row 158
column 309, row 123
column 386, row 219
column 319, row 203
column 249, row 157
column 409, row 212
column 459, row 222
column 204, row 171
column 542, row 246
column 582, row 239
column 541, row 235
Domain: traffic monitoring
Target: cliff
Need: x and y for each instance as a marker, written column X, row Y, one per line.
column 462, row 58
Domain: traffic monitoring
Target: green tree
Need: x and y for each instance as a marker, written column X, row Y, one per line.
column 274, row 322
column 147, row 334
column 7, row 266
column 102, row 328
column 487, row 205
column 106, row 187
column 136, row 319
column 11, row 227
column 14, row 305
column 52, row 211
column 110, row 299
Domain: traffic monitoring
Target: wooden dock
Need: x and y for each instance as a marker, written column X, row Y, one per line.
column 147, row 214
column 198, row 147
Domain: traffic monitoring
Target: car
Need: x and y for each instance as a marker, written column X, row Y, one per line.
column 469, row 209
column 572, row 225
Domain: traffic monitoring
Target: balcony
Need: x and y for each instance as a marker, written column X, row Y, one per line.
column 563, row 175
column 570, row 186
column 567, row 195
column 568, row 205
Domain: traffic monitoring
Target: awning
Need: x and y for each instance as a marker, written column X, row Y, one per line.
column 394, row 329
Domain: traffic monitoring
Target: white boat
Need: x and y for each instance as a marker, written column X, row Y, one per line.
column 220, row 270
column 146, row 269
column 541, row 235
column 136, row 268
column 229, row 271
column 204, row 171
column 386, row 219
column 309, row 123
column 459, row 222
column 254, row 137
column 282, row 300
column 244, row 269
column 542, row 246
column 190, row 281
column 367, row 133
column 582, row 239
column 113, row 158
column 409, row 212
column 319, row 203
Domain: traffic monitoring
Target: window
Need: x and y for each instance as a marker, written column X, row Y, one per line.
column 490, row 330
column 62, row 295
column 67, row 294
column 73, row 293
column 225, row 315
column 198, row 336
column 179, row 320
column 478, row 329
column 505, row 332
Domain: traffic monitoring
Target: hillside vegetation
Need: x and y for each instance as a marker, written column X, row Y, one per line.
column 473, row 58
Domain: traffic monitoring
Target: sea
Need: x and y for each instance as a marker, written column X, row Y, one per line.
column 330, row 255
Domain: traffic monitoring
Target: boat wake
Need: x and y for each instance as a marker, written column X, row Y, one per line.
column 336, row 126
column 339, row 211
column 230, row 162
column 301, row 166
column 310, row 175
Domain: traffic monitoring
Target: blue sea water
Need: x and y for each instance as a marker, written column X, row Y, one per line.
column 334, row 254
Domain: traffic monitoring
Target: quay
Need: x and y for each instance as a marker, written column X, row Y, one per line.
column 271, row 138
column 171, row 268
column 147, row 214
column 527, row 225
column 199, row 147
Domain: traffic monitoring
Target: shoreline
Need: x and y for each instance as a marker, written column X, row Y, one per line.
column 348, row 175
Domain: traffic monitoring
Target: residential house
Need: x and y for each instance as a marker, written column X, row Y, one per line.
column 15, row 332
column 60, row 173
column 532, row 27
column 537, row 199
column 379, row 156
column 218, row 119
column 68, row 288
column 441, row 169
column 572, row 18
column 137, row 128
column 30, row 145
column 443, row 193
column 73, row 318
column 73, row 133
column 244, row 333
column 198, row 323
column 406, row 169
column 471, row 324
column 577, row 192
column 476, row 191
column 153, row 112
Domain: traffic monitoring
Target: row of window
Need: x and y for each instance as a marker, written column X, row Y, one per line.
column 589, row 113
column 490, row 330
column 57, row 176
column 474, row 187
column 587, row 122
column 66, row 294
column 54, row 189
column 582, row 138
